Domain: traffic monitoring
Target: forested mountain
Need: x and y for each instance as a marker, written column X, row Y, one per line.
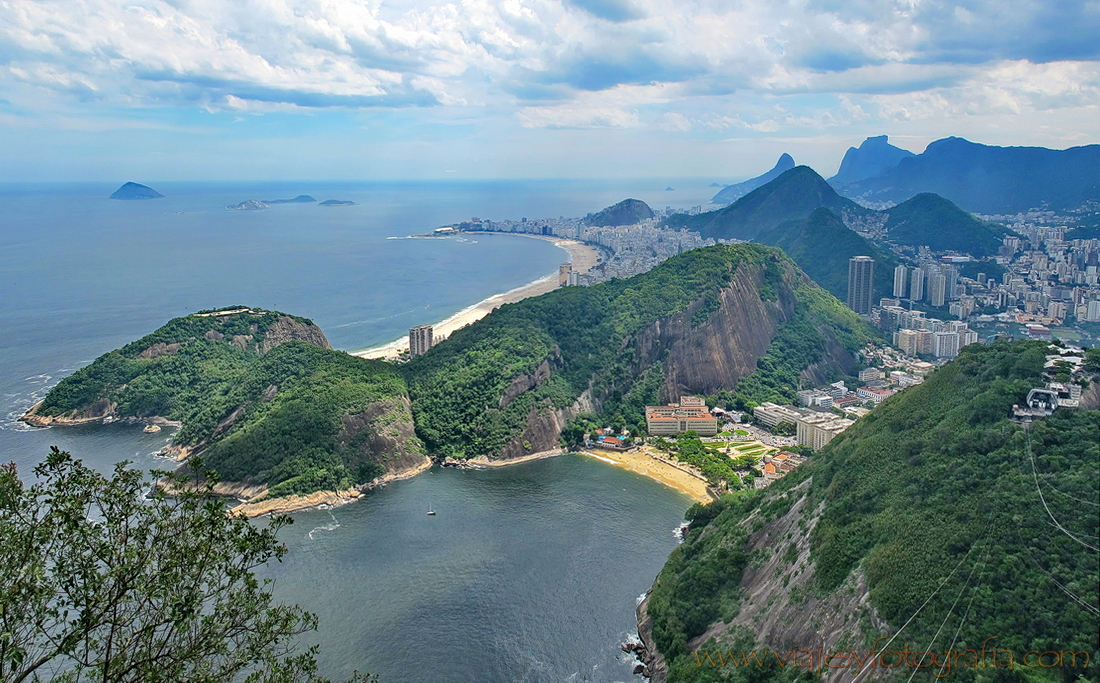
column 739, row 317
column 731, row 193
column 265, row 402
column 821, row 245
column 872, row 157
column 260, row 394
column 792, row 196
column 626, row 212
column 934, row 521
column 932, row 221
column 988, row 179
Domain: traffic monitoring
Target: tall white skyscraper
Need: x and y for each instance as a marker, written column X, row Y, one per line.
column 916, row 285
column 937, row 288
column 901, row 279
column 861, row 277
column 420, row 340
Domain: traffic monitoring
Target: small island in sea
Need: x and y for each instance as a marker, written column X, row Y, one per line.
column 248, row 205
column 670, row 189
column 136, row 191
column 337, row 202
column 300, row 199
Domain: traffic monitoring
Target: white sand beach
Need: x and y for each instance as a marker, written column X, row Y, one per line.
column 582, row 256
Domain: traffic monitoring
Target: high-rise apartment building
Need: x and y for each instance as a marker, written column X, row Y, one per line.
column 420, row 340
column 901, row 279
column 916, row 285
column 861, row 275
column 937, row 289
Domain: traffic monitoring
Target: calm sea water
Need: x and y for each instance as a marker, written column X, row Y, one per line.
column 528, row 573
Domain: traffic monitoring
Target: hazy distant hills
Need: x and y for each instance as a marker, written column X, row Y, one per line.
column 803, row 215
column 135, row 191
column 731, row 193
column 626, row 212
column 792, row 196
column 988, row 179
column 872, row 157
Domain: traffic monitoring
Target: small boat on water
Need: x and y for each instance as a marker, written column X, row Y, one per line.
column 431, row 512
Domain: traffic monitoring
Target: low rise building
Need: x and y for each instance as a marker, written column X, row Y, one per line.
column 690, row 414
column 815, row 431
column 769, row 414
column 868, row 374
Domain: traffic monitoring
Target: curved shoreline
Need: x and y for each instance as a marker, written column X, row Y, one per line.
column 581, row 256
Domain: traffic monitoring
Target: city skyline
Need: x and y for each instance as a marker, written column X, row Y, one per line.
column 549, row 89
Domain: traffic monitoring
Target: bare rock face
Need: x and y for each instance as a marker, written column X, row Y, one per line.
column 158, row 350
column 103, row 409
column 384, row 434
column 288, row 329
column 544, row 425
column 726, row 347
column 521, row 384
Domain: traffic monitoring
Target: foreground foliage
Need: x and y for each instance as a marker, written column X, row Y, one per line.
column 951, row 512
column 97, row 582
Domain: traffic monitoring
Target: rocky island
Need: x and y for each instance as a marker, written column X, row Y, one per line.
column 337, row 202
column 135, row 191
column 249, row 205
column 300, row 199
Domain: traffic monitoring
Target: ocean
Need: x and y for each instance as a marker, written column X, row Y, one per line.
column 528, row 573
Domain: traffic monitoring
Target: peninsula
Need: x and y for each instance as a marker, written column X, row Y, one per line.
column 278, row 413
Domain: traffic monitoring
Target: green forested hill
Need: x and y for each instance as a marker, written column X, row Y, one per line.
column 260, row 395
column 821, row 245
column 478, row 391
column 935, row 507
column 170, row 372
column 792, row 196
column 932, row 221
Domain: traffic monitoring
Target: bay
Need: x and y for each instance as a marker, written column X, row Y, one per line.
column 530, row 572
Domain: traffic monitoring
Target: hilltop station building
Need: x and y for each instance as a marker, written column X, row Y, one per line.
column 690, row 414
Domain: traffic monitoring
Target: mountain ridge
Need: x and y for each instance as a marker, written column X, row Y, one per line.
column 731, row 193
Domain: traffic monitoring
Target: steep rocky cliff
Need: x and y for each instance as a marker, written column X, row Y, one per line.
column 508, row 385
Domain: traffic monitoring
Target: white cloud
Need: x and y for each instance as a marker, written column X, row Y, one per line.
column 699, row 66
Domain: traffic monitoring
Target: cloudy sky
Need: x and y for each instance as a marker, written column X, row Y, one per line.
column 264, row 89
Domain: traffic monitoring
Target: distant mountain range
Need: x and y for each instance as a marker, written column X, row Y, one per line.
column 803, row 215
column 731, row 193
column 984, row 178
column 793, row 195
column 874, row 156
column 626, row 212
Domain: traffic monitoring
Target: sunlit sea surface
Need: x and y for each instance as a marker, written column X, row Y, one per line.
column 528, row 573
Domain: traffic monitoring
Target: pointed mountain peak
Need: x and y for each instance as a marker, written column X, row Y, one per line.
column 732, row 193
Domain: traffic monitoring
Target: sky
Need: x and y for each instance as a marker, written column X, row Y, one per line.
column 416, row 89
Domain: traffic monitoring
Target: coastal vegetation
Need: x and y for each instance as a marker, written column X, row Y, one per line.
column 477, row 392
column 105, row 582
column 267, row 403
column 259, row 393
column 935, row 508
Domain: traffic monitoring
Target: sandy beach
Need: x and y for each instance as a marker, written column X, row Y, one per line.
column 658, row 470
column 582, row 256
